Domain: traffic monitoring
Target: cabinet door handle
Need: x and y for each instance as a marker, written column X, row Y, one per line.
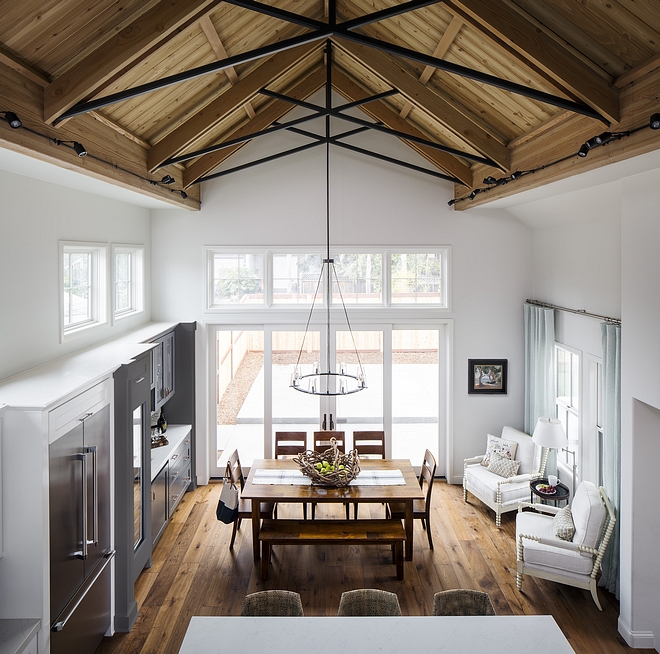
column 175, row 474
column 137, row 381
column 87, row 415
column 185, row 458
column 175, row 497
column 153, row 496
column 174, row 457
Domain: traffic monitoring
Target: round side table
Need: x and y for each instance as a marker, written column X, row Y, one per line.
column 561, row 494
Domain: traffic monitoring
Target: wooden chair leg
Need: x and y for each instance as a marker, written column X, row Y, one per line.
column 233, row 534
column 265, row 560
column 399, row 559
column 428, row 531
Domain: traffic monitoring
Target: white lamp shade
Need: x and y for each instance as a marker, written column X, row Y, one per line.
column 549, row 432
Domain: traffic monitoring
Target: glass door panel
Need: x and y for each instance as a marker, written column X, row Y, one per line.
column 415, row 393
column 361, row 411
column 239, row 395
column 293, row 410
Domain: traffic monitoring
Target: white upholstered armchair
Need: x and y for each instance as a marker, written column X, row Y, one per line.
column 501, row 493
column 542, row 548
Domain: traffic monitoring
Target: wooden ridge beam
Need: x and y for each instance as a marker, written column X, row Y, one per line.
column 380, row 111
column 234, row 98
column 112, row 157
column 112, row 59
column 266, row 117
column 426, row 100
column 520, row 34
column 638, row 102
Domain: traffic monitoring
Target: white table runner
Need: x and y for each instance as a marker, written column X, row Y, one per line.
column 296, row 478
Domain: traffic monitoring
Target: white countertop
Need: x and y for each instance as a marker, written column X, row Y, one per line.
column 15, row 634
column 159, row 455
column 518, row 634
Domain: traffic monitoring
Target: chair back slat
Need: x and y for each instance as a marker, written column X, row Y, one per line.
column 369, row 443
column 290, row 443
column 234, row 470
column 322, row 440
column 426, row 475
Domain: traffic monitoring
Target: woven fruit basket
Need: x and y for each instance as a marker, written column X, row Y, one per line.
column 329, row 468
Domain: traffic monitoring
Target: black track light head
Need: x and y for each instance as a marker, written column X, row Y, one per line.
column 474, row 193
column 184, row 195
column 516, row 175
column 584, row 150
column 452, row 202
column 490, row 180
column 168, row 179
column 604, row 138
column 13, row 120
column 79, row 149
column 654, row 122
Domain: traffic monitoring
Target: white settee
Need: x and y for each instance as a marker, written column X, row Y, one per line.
column 499, row 493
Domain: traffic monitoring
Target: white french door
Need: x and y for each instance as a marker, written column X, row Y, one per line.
column 407, row 393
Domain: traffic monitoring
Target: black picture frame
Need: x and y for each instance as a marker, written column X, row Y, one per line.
column 487, row 376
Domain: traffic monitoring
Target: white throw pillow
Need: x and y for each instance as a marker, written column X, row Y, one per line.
column 563, row 525
column 503, row 466
column 499, row 445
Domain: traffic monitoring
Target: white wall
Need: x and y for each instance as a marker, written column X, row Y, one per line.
column 34, row 216
column 372, row 203
column 640, row 449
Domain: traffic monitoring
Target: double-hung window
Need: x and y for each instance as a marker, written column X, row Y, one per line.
column 128, row 280
column 83, row 286
column 568, row 402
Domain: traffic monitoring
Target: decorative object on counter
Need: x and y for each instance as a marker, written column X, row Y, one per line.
column 162, row 422
column 330, row 467
column 158, row 439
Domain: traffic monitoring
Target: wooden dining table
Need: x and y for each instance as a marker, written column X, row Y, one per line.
column 406, row 493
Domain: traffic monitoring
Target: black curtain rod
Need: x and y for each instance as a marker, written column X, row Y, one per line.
column 580, row 312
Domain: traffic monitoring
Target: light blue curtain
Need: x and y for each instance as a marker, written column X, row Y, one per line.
column 539, row 365
column 611, row 335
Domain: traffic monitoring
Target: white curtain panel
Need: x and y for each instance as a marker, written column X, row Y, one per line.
column 539, row 365
column 611, row 336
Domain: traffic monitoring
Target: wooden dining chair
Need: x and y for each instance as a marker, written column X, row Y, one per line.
column 321, row 444
column 421, row 508
column 234, row 471
column 369, row 445
column 289, row 444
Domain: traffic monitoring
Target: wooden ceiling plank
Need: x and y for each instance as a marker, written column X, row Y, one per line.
column 219, row 50
column 266, row 117
column 594, row 53
column 234, row 98
column 114, row 158
column 635, row 73
column 423, row 98
column 24, row 69
column 638, row 102
column 519, row 33
column 101, row 67
column 381, row 112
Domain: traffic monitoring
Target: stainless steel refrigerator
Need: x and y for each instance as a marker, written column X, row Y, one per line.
column 80, row 546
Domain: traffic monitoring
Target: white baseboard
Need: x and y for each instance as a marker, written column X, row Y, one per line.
column 637, row 639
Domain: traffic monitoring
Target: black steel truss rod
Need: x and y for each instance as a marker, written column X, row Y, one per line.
column 314, row 107
column 337, row 113
column 371, row 98
column 274, row 12
column 276, row 127
column 462, row 71
column 319, row 137
column 257, row 162
column 214, row 67
column 376, row 16
column 396, row 162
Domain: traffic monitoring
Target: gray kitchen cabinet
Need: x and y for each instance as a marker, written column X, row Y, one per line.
column 159, row 515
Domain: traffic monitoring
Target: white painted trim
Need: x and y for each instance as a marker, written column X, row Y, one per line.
column 138, row 277
column 636, row 639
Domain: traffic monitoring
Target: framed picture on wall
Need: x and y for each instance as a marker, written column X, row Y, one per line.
column 487, row 376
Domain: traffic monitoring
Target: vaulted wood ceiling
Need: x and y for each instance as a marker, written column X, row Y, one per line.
column 480, row 87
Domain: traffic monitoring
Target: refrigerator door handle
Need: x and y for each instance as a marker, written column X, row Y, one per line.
column 82, row 457
column 95, row 495
column 60, row 624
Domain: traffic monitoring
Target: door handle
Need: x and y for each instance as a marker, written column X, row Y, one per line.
column 93, row 450
column 82, row 457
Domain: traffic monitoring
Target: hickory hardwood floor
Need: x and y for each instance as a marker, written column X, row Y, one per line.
column 195, row 573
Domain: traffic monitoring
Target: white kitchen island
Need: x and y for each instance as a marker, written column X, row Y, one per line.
column 501, row 634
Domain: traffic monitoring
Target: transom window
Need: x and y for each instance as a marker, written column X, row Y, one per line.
column 83, row 280
column 291, row 277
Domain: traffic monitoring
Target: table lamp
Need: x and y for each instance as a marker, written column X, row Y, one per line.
column 549, row 433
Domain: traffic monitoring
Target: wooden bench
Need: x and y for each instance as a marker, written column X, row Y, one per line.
column 332, row 532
